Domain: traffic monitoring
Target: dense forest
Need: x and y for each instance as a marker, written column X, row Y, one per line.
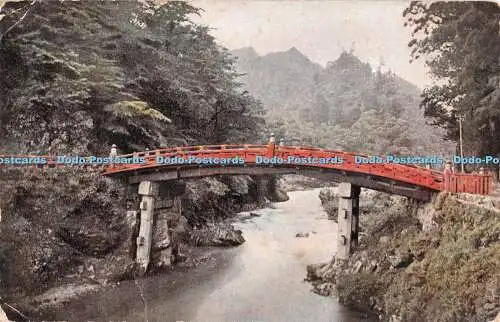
column 349, row 105
column 77, row 77
column 80, row 76
column 460, row 42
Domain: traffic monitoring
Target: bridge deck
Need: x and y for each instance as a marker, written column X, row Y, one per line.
column 402, row 176
column 390, row 177
column 410, row 174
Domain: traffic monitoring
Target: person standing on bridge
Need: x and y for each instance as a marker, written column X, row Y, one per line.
column 271, row 146
column 113, row 154
column 272, row 139
column 448, row 167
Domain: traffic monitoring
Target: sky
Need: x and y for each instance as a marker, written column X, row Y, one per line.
column 319, row 29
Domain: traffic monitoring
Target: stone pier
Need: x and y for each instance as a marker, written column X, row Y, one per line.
column 149, row 191
column 348, row 219
column 160, row 207
column 168, row 210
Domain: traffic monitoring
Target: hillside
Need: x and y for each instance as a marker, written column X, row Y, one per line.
column 436, row 261
column 346, row 105
column 77, row 78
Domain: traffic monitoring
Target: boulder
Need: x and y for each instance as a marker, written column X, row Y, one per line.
column 238, row 184
column 330, row 202
column 400, row 259
column 217, row 235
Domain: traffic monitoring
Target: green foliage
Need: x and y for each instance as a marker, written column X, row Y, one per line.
column 79, row 76
column 405, row 272
column 37, row 209
column 461, row 44
column 132, row 109
column 457, row 278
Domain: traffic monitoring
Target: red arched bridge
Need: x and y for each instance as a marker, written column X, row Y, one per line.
column 152, row 167
column 407, row 180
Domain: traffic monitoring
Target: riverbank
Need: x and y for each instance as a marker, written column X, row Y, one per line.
column 233, row 283
column 434, row 262
column 130, row 300
column 67, row 232
column 296, row 182
column 100, row 300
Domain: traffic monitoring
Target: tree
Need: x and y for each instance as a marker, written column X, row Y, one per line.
column 461, row 44
column 78, row 76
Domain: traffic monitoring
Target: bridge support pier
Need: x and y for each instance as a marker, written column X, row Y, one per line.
column 149, row 191
column 348, row 219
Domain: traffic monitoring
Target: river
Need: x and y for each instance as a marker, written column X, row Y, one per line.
column 261, row 280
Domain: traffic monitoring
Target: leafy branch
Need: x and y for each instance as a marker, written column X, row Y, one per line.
column 31, row 5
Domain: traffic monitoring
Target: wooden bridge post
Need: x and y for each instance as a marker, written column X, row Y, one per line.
column 348, row 219
column 447, row 176
column 148, row 190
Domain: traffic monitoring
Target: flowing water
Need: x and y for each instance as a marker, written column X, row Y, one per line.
column 261, row 280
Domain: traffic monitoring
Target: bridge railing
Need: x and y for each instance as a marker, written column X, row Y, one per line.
column 468, row 182
column 411, row 174
column 436, row 172
column 407, row 173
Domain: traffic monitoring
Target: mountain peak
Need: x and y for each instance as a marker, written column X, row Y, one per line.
column 346, row 60
column 292, row 55
column 295, row 52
